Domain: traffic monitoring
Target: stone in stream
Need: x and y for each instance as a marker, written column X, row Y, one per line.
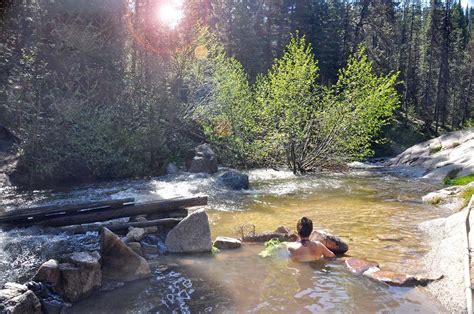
column 135, row 234
column 119, row 262
column 359, row 266
column 267, row 236
column 225, row 243
column 49, row 273
column 392, row 278
column 234, row 179
column 333, row 243
column 80, row 275
column 201, row 159
column 18, row 299
column 192, row 234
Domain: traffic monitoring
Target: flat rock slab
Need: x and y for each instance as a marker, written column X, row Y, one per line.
column 267, row 236
column 191, row 235
column 392, row 278
column 225, row 243
column 359, row 266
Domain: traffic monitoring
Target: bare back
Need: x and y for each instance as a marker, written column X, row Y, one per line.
column 307, row 251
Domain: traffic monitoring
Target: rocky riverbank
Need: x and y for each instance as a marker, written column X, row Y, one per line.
column 440, row 159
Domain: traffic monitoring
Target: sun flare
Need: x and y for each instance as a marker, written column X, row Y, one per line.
column 170, row 13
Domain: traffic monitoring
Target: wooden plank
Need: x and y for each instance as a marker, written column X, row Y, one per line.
column 42, row 211
column 121, row 226
column 127, row 211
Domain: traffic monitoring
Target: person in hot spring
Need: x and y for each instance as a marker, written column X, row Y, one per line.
column 306, row 250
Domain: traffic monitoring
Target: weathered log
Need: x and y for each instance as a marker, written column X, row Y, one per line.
column 120, row 225
column 126, row 211
column 35, row 213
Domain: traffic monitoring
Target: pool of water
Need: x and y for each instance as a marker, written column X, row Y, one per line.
column 374, row 210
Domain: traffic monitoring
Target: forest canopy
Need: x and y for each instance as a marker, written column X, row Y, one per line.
column 109, row 89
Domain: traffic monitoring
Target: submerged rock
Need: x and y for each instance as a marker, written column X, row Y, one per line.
column 119, row 262
column 389, row 237
column 224, row 243
column 80, row 275
column 392, row 278
column 171, row 168
column 333, row 243
column 235, row 180
column 201, row 159
column 17, row 299
column 192, row 234
column 359, row 266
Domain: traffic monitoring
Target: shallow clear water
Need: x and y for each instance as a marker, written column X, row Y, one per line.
column 360, row 206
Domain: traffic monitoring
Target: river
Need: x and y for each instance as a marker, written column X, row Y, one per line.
column 375, row 210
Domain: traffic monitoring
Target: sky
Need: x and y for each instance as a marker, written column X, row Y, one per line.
column 465, row 3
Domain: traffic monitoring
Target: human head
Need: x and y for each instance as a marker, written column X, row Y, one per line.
column 304, row 227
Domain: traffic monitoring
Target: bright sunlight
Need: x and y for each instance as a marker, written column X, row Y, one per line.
column 170, row 12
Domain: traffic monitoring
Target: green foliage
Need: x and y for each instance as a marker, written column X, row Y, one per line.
column 459, row 180
column 287, row 118
column 214, row 250
column 271, row 247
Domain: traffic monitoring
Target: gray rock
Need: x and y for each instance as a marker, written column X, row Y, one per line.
column 441, row 155
column 119, row 262
column 225, row 243
column 447, row 236
column 81, row 275
column 192, row 234
column 450, row 197
column 201, row 159
column 171, row 169
column 235, row 180
column 17, row 299
column 135, row 234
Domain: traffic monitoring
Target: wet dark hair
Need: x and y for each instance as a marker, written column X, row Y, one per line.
column 304, row 227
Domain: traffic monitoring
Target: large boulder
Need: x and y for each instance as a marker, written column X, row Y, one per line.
column 438, row 157
column 192, row 234
column 17, row 299
column 333, row 243
column 234, row 179
column 201, row 159
column 119, row 262
column 81, row 275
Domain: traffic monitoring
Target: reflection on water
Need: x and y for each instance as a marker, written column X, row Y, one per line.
column 375, row 212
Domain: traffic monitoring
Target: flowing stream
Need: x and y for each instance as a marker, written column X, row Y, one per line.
column 374, row 210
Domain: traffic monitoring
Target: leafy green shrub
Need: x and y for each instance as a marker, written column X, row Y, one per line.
column 271, row 247
column 286, row 117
